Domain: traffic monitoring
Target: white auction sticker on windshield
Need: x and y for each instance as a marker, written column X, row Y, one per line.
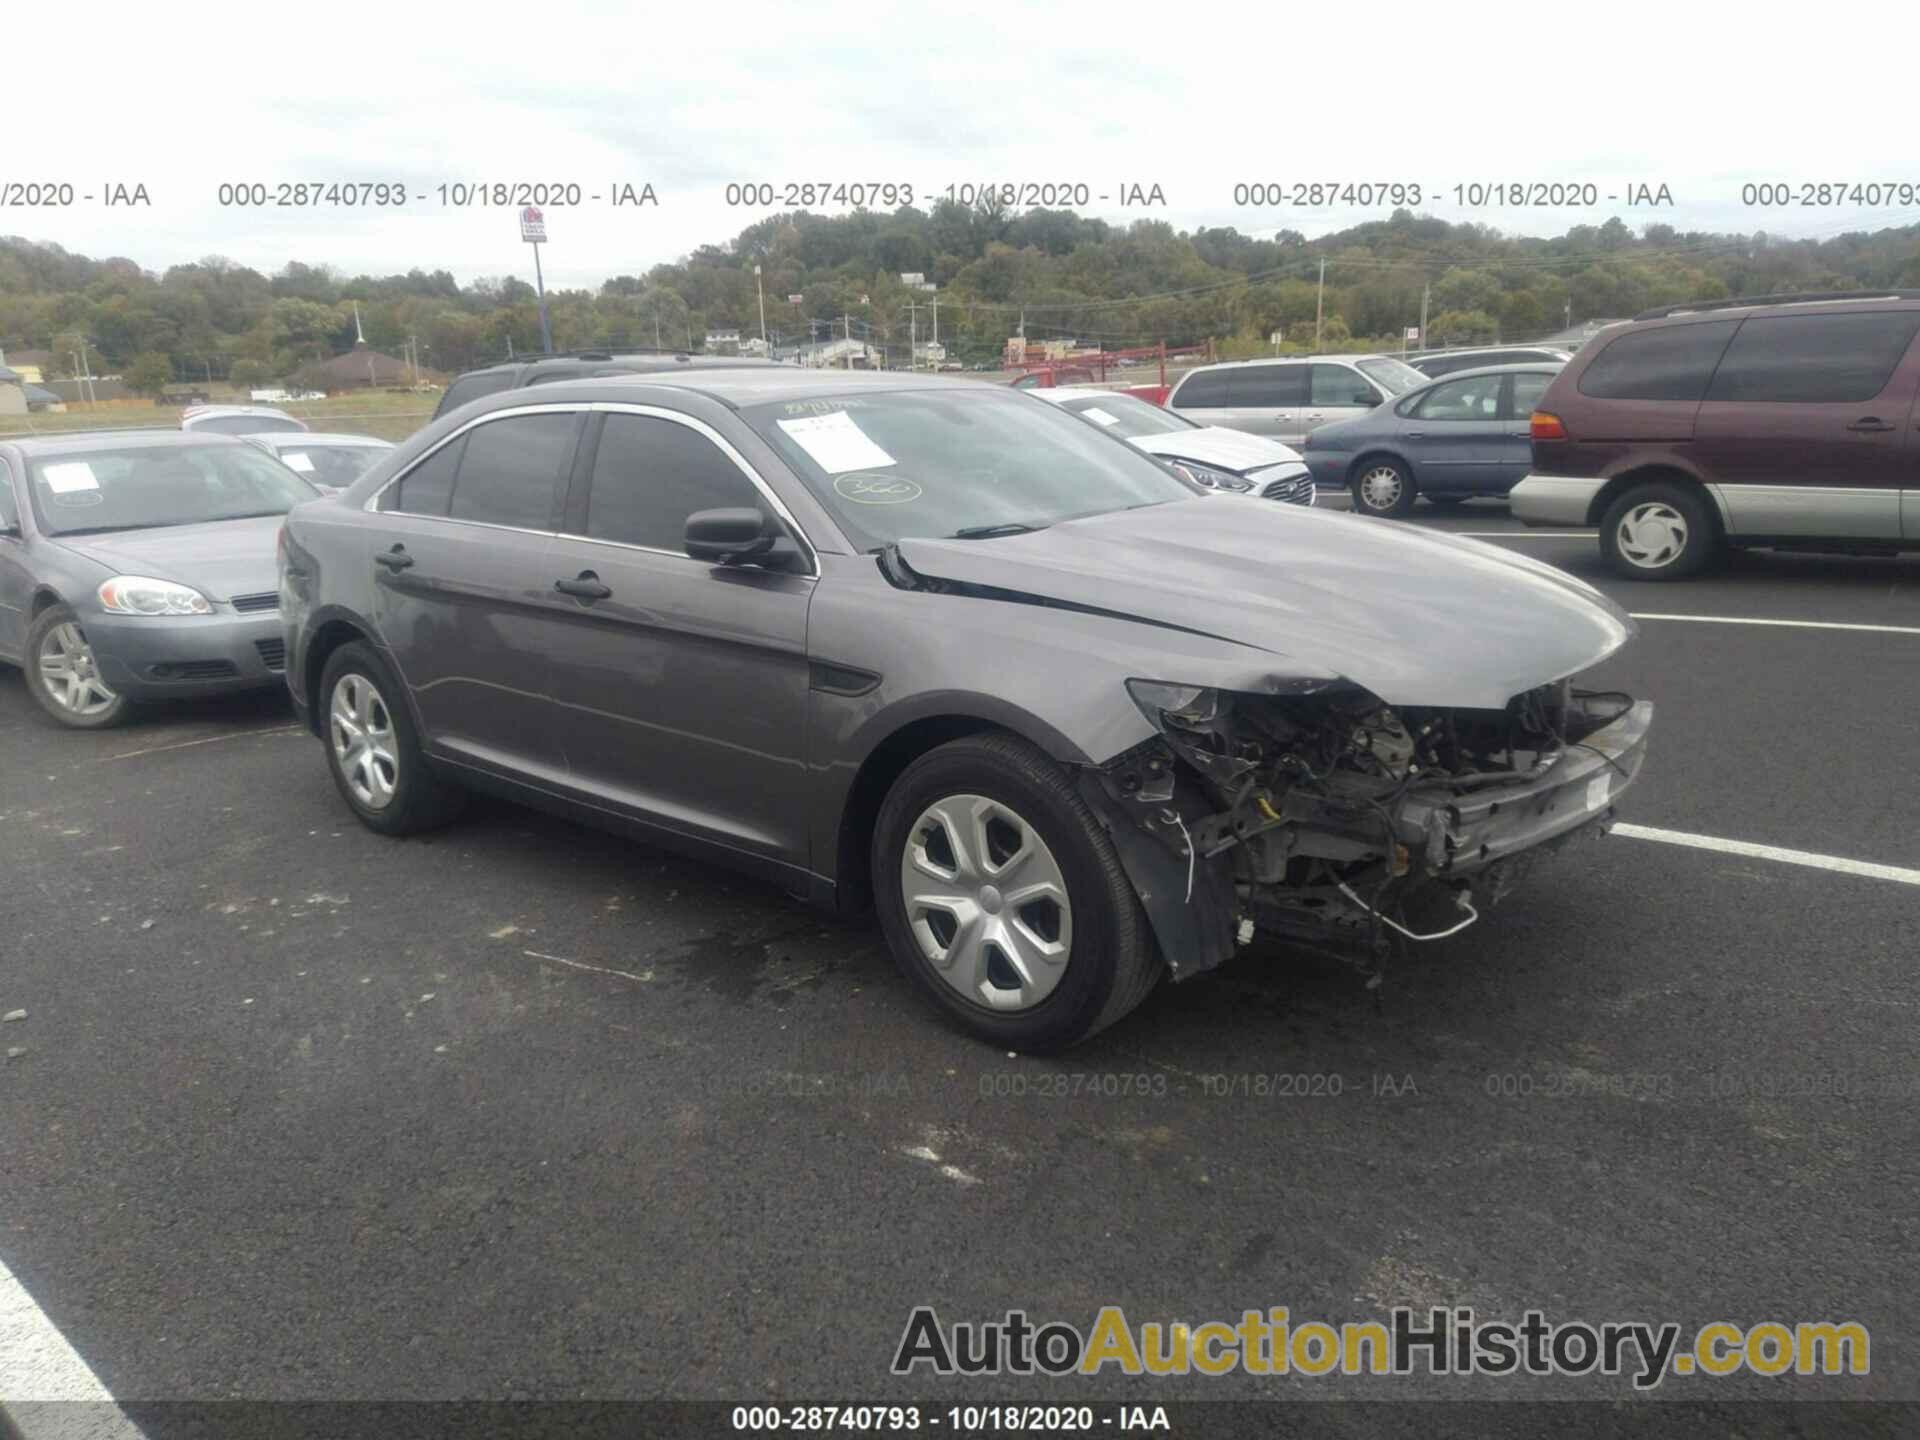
column 299, row 460
column 836, row 444
column 73, row 475
column 1099, row 416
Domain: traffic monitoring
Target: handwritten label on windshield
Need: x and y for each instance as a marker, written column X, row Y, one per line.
column 836, row 444
column 877, row 489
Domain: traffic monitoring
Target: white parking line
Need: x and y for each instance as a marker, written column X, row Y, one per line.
column 1772, row 852
column 41, row 1375
column 1790, row 624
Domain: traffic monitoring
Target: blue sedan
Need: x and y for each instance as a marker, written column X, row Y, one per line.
column 1449, row 440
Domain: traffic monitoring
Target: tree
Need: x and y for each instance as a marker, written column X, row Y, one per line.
column 248, row 372
column 149, row 374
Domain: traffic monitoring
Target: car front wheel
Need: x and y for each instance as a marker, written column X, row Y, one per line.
column 63, row 673
column 1382, row 487
column 374, row 750
column 1658, row 531
column 1001, row 897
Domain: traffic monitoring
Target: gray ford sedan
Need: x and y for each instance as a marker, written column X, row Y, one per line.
column 1068, row 721
column 140, row 566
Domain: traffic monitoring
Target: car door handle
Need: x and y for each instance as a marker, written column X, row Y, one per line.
column 395, row 559
column 1871, row 425
column 586, row 587
column 1416, row 434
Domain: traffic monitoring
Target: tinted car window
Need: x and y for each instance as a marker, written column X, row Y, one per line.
column 508, row 474
column 1337, row 385
column 1527, row 390
column 472, row 387
column 1475, row 398
column 651, row 474
column 1812, row 358
column 1672, row 363
column 426, row 488
column 248, row 425
column 1269, row 386
column 1127, row 416
column 1203, row 388
column 336, row 465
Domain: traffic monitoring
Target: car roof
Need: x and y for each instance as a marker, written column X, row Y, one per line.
column 1819, row 301
column 1482, row 350
column 293, row 439
column 749, row 386
column 1292, row 360
column 73, row 441
column 1515, row 365
column 559, row 364
column 194, row 412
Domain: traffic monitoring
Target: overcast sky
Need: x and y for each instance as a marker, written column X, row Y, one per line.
column 689, row 97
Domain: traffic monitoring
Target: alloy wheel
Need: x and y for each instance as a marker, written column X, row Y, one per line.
column 1652, row 535
column 1380, row 487
column 987, row 902
column 70, row 673
column 360, row 728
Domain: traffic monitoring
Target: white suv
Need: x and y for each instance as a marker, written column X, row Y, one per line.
column 1284, row 399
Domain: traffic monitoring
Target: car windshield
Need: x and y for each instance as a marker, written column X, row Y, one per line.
column 1127, row 416
column 151, row 486
column 336, row 465
column 956, row 461
column 248, row 424
column 1398, row 378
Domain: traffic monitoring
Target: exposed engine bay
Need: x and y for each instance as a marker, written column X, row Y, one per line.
column 1330, row 818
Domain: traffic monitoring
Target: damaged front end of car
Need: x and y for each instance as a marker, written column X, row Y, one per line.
column 1319, row 814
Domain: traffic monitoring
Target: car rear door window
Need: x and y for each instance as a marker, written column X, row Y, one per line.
column 1527, row 390
column 1674, row 362
column 1202, row 390
column 1814, row 358
column 426, row 488
column 650, row 474
column 1475, row 398
column 510, row 468
column 1337, row 385
column 1270, row 387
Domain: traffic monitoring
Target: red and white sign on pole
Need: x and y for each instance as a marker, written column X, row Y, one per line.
column 533, row 225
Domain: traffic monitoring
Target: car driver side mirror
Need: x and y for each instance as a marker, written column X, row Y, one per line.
column 727, row 537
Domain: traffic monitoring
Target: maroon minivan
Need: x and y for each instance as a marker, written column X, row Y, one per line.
column 1786, row 421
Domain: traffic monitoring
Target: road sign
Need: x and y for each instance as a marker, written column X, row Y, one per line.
column 796, row 299
column 533, row 225
column 1276, row 337
column 1413, row 332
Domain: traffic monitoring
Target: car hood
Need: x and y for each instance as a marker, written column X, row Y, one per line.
column 1215, row 445
column 1414, row 616
column 220, row 560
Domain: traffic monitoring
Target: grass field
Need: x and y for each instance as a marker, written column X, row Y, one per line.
column 389, row 416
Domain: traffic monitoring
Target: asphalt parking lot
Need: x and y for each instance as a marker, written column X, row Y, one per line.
column 521, row 1110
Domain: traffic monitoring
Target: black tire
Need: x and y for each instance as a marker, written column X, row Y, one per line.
column 418, row 798
column 40, row 636
column 1665, row 503
column 1363, row 484
column 1111, row 962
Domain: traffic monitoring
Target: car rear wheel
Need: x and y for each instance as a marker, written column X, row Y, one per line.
column 63, row 673
column 374, row 750
column 1001, row 897
column 1658, row 531
column 1382, row 487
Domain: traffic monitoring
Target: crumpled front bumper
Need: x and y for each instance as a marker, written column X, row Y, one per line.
column 1464, row 834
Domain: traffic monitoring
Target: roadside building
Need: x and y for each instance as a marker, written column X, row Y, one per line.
column 362, row 368
column 13, row 393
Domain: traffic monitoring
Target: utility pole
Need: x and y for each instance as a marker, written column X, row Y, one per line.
column 1426, row 293
column 760, row 286
column 913, row 336
column 1319, row 305
column 848, row 319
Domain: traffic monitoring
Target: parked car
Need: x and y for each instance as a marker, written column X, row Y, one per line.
column 1435, row 363
column 140, row 566
column 1284, row 399
column 329, row 462
column 1787, row 421
column 239, row 420
column 546, row 369
column 1066, row 719
column 1448, row 440
column 1217, row 458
